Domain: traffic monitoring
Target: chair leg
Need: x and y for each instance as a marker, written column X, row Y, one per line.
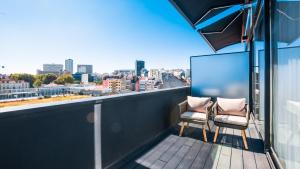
column 181, row 129
column 216, row 134
column 204, row 133
column 244, row 139
column 208, row 126
column 187, row 125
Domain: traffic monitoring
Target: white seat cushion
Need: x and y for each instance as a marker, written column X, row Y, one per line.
column 236, row 120
column 193, row 116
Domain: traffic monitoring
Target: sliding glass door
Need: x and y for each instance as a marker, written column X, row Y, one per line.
column 286, row 84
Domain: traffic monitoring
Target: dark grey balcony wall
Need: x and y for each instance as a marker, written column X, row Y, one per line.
column 48, row 137
column 62, row 135
column 129, row 122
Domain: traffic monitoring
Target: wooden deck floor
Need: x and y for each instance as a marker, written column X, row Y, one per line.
column 190, row 151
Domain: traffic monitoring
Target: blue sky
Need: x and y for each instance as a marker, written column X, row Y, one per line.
column 110, row 34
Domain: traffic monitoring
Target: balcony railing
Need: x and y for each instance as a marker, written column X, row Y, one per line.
column 100, row 132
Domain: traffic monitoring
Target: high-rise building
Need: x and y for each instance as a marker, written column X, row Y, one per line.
column 51, row 68
column 69, row 65
column 85, row 69
column 139, row 65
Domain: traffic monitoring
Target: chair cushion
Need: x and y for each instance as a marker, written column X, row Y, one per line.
column 194, row 116
column 236, row 120
column 235, row 107
column 197, row 104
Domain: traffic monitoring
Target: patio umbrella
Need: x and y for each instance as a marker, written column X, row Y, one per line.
column 225, row 32
column 196, row 11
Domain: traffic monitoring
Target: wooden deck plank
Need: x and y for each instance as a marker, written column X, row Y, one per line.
column 236, row 151
column 260, row 157
column 166, row 156
column 176, row 159
column 190, row 152
column 225, row 155
column 158, row 151
column 201, row 157
column 189, row 142
column 190, row 156
column 213, row 159
column 158, row 164
column 248, row 155
column 167, row 140
column 134, row 163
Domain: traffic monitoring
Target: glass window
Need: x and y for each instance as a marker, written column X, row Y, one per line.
column 286, row 84
column 258, row 79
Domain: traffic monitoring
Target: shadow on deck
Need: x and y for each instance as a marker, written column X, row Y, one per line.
column 190, row 151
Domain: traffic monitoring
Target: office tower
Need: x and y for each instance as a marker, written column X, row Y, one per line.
column 51, row 68
column 69, row 65
column 139, row 65
column 85, row 69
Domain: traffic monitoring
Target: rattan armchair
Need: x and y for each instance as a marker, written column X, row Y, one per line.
column 235, row 120
column 201, row 118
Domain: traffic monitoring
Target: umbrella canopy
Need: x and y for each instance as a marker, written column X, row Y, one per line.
column 226, row 32
column 195, row 10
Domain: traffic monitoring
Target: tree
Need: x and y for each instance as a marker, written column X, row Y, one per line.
column 48, row 78
column 37, row 83
column 64, row 79
column 100, row 82
column 23, row 76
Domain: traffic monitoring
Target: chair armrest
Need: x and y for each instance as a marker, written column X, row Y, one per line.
column 209, row 107
column 182, row 107
column 215, row 109
column 247, row 113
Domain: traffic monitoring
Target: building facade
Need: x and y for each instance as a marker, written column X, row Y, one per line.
column 69, row 65
column 116, row 85
column 139, row 65
column 51, row 68
column 85, row 69
column 11, row 84
column 154, row 73
column 85, row 78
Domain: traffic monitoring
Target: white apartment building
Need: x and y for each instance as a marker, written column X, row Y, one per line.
column 53, row 67
column 85, row 78
column 88, row 69
column 146, row 85
column 69, row 65
column 11, row 84
column 154, row 73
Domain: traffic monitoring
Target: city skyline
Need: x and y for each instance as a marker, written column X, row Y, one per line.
column 38, row 32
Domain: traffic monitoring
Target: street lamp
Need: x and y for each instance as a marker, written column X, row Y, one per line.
column 2, row 67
